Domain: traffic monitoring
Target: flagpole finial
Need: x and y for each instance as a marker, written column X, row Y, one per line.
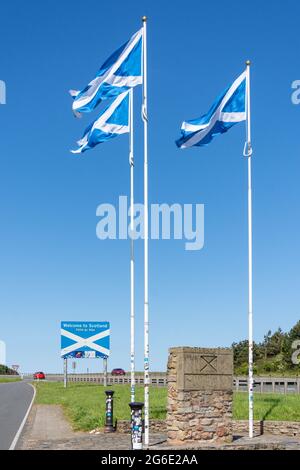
column 144, row 19
column 248, row 62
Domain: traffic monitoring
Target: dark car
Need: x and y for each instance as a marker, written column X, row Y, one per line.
column 39, row 376
column 118, row 372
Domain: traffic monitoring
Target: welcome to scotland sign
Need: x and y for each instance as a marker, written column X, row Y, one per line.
column 84, row 340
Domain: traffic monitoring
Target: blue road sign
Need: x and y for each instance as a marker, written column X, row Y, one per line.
column 83, row 340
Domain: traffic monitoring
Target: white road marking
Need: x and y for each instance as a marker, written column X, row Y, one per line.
column 17, row 436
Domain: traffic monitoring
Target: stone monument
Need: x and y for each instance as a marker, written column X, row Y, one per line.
column 199, row 395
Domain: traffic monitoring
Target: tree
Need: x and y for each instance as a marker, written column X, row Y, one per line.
column 4, row 370
column 266, row 343
column 273, row 354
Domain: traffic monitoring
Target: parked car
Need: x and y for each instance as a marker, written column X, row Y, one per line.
column 39, row 376
column 118, row 372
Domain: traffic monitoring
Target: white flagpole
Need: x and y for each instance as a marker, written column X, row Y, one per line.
column 146, row 235
column 132, row 310
column 248, row 154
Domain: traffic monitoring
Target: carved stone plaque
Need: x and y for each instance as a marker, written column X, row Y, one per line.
column 204, row 369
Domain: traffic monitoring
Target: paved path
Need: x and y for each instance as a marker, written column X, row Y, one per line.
column 46, row 423
column 15, row 399
column 48, row 429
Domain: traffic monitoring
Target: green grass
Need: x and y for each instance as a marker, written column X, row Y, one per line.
column 84, row 404
column 268, row 406
column 9, row 379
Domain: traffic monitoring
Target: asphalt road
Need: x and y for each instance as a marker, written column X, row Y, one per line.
column 15, row 399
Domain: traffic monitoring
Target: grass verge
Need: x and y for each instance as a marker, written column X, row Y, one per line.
column 8, row 379
column 268, row 407
column 84, row 404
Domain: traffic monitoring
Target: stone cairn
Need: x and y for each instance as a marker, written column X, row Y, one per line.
column 199, row 395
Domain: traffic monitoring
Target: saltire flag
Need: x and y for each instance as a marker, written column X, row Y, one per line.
column 82, row 340
column 121, row 71
column 228, row 109
column 113, row 121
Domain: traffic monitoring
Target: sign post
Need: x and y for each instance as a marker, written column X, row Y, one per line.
column 84, row 340
column 65, row 372
column 105, row 371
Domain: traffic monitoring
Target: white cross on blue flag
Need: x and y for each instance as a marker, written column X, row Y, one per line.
column 228, row 109
column 121, row 71
column 113, row 121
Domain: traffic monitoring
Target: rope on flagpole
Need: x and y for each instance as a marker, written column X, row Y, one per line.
column 146, row 237
column 248, row 153
column 132, row 287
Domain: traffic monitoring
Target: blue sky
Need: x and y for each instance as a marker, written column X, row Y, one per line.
column 54, row 268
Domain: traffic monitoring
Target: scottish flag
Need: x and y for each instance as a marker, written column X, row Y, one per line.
column 85, row 340
column 228, row 109
column 112, row 122
column 121, row 71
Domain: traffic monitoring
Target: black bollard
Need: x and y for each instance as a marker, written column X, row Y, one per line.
column 109, row 411
column 136, row 425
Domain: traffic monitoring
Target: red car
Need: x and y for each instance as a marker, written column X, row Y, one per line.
column 118, row 372
column 39, row 376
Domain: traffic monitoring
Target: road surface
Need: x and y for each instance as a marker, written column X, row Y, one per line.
column 15, row 399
